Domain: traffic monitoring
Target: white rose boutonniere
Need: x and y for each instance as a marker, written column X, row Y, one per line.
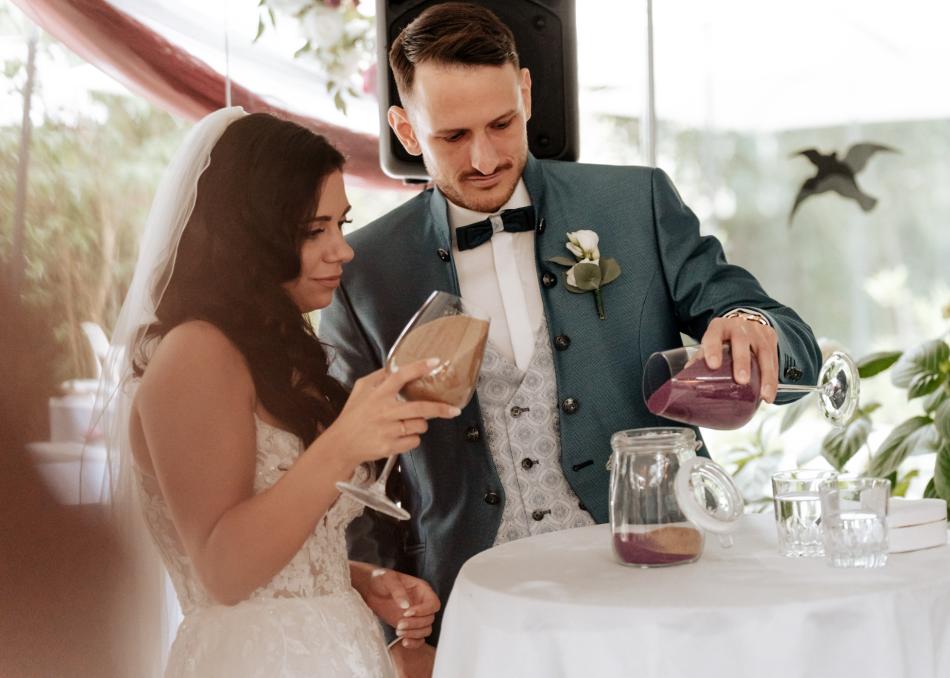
column 590, row 272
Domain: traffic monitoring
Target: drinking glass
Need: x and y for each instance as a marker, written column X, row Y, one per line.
column 798, row 515
column 678, row 385
column 854, row 521
column 455, row 332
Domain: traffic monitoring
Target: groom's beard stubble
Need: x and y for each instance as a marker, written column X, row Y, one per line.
column 459, row 193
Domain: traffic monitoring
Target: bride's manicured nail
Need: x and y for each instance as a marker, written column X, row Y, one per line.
column 454, row 411
column 401, row 626
column 409, row 613
column 405, row 643
column 432, row 362
column 404, row 604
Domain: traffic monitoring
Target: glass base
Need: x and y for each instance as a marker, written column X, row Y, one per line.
column 839, row 385
column 865, row 561
column 374, row 499
column 651, row 566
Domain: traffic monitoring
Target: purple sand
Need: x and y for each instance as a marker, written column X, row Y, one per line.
column 636, row 550
column 709, row 398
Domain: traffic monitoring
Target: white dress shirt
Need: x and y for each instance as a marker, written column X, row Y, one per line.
column 501, row 278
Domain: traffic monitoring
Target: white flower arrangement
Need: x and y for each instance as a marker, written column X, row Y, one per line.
column 590, row 272
column 337, row 35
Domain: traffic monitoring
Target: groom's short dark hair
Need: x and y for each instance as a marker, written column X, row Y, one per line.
column 451, row 33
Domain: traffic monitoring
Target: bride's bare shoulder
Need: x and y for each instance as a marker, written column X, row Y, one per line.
column 197, row 352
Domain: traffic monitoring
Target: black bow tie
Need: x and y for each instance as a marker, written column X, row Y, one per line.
column 515, row 221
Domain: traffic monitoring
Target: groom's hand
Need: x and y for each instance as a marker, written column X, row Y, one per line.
column 413, row 663
column 749, row 341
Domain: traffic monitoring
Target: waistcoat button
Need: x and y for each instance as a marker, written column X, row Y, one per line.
column 570, row 405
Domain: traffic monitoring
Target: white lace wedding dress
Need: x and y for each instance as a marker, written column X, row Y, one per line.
column 308, row 621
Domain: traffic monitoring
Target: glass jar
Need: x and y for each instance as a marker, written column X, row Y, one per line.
column 663, row 497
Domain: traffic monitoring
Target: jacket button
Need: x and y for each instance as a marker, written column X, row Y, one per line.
column 472, row 434
column 492, row 498
column 526, row 463
column 562, row 342
column 443, row 254
column 570, row 405
column 538, row 514
column 793, row 373
column 548, row 279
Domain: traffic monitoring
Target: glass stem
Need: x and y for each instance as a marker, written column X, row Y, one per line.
column 384, row 476
column 793, row 388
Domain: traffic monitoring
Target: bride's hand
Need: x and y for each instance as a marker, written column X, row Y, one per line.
column 375, row 424
column 406, row 603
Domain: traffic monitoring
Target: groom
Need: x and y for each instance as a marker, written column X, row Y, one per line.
column 528, row 454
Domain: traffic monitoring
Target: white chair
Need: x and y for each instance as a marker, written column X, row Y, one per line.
column 98, row 342
column 71, row 414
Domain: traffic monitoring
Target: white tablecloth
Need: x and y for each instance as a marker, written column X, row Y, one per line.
column 559, row 605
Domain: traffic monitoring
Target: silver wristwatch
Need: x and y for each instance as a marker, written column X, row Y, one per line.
column 748, row 314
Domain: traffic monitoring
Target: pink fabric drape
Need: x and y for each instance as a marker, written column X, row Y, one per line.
column 174, row 80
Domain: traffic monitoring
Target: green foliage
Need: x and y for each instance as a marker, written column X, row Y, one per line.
column 795, row 410
column 89, row 187
column 907, row 438
column 923, row 372
column 900, row 485
column 840, row 444
column 921, row 365
column 347, row 43
column 875, row 363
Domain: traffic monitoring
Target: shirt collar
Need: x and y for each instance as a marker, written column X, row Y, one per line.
column 462, row 216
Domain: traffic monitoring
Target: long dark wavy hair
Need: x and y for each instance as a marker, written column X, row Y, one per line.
column 241, row 242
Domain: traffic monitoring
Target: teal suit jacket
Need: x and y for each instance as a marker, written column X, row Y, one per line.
column 673, row 281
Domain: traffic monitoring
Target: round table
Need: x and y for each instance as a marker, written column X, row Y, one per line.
column 559, row 605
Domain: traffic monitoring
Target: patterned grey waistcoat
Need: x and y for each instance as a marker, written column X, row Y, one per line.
column 520, row 417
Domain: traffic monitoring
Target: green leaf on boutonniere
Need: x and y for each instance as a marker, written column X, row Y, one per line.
column 609, row 270
column 563, row 261
column 587, row 277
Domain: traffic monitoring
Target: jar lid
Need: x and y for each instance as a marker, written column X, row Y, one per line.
column 707, row 495
column 633, row 439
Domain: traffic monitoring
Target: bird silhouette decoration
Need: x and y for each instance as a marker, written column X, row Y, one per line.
column 838, row 175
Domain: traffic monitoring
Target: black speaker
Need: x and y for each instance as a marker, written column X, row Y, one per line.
column 545, row 36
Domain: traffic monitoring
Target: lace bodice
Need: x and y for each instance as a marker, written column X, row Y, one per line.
column 319, row 568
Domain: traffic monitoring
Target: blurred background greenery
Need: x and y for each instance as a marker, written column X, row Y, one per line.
column 866, row 282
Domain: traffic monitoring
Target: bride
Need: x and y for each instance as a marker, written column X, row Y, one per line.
column 231, row 432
